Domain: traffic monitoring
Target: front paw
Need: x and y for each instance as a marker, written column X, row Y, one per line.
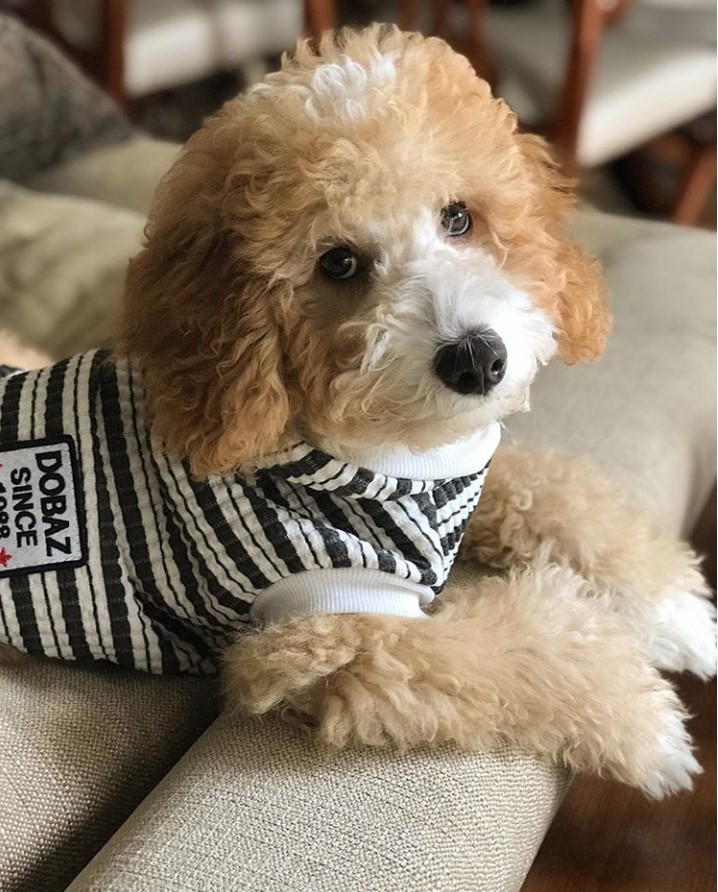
column 361, row 680
column 662, row 762
column 680, row 634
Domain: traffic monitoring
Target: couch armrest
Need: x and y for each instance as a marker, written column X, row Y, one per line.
column 645, row 411
column 255, row 806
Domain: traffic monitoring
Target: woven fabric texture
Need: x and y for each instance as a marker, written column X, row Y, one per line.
column 80, row 749
column 256, row 807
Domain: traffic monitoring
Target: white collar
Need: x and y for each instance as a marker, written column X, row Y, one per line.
column 459, row 459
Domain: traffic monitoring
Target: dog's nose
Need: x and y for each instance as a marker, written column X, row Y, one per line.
column 473, row 365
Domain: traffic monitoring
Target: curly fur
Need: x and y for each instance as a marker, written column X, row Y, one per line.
column 361, row 141
column 527, row 658
column 540, row 498
column 541, row 502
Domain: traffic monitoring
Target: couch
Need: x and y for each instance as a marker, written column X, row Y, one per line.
column 118, row 782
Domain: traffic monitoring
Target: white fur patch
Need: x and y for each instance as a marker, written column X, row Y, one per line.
column 679, row 634
column 349, row 90
column 436, row 291
column 671, row 759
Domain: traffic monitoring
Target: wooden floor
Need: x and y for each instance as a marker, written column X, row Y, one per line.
column 607, row 838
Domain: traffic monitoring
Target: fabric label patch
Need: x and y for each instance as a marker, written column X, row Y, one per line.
column 41, row 523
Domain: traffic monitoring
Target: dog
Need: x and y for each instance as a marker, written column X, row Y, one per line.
column 351, row 275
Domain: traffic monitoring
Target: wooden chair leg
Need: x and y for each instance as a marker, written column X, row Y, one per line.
column 319, row 16
column 441, row 18
column 114, row 25
column 407, row 15
column 104, row 59
column 698, row 180
column 478, row 53
column 587, row 25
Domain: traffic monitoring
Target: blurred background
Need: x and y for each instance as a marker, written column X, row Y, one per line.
column 624, row 89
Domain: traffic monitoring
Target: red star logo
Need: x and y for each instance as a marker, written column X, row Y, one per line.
column 4, row 557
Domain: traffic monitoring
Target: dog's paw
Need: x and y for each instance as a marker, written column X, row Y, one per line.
column 680, row 634
column 374, row 680
column 631, row 726
column 667, row 764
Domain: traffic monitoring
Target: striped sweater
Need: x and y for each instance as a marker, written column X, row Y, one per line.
column 110, row 550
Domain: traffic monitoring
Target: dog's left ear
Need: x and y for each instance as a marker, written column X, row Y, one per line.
column 576, row 293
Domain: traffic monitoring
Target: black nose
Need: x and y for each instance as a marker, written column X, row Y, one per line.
column 472, row 365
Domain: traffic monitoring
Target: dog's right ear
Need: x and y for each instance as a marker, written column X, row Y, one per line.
column 201, row 328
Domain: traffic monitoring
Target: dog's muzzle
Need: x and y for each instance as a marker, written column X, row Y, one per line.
column 473, row 365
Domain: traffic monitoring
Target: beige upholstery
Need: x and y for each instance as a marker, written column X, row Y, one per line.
column 253, row 805
column 102, row 174
column 79, row 750
column 62, row 267
column 64, row 255
column 647, row 81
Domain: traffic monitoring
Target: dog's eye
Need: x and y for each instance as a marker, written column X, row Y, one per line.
column 455, row 219
column 339, row 263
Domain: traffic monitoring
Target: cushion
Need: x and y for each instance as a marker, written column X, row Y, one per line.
column 171, row 42
column 50, row 111
column 62, row 268
column 646, row 411
column 101, row 174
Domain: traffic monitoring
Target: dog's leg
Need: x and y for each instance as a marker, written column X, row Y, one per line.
column 541, row 503
column 525, row 659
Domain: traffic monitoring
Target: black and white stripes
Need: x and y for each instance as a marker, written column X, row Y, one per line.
column 172, row 568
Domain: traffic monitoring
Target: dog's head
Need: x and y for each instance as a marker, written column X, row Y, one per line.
column 361, row 249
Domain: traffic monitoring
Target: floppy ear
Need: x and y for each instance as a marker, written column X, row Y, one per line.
column 576, row 292
column 584, row 321
column 201, row 327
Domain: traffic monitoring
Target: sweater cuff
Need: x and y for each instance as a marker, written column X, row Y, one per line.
column 340, row 590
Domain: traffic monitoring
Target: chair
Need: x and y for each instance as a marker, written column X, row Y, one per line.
column 602, row 79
